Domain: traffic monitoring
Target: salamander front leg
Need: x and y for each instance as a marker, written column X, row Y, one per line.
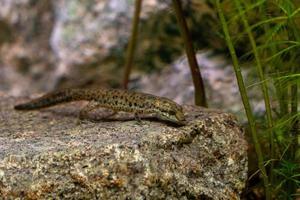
column 83, row 114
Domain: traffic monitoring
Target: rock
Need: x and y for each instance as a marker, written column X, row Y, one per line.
column 47, row 154
column 26, row 56
column 87, row 31
column 43, row 42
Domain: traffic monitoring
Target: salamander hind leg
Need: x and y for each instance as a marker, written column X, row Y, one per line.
column 107, row 116
column 84, row 112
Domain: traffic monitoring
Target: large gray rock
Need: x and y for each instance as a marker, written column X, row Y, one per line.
column 87, row 31
column 47, row 154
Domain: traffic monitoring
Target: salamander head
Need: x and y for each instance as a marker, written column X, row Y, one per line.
column 170, row 111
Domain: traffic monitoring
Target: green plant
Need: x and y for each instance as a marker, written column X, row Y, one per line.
column 271, row 27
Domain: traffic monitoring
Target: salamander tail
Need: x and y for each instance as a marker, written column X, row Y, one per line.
column 50, row 99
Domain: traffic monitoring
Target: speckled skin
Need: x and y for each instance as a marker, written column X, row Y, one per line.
column 117, row 100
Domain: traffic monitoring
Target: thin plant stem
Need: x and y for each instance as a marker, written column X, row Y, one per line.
column 294, row 111
column 132, row 43
column 245, row 100
column 278, row 89
column 262, row 78
column 275, row 63
column 200, row 97
column 294, row 35
column 295, row 124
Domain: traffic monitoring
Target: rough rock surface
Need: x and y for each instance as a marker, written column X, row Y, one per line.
column 47, row 154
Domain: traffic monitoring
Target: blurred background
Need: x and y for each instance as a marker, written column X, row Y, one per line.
column 45, row 45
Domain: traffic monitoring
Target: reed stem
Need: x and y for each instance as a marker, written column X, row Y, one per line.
column 262, row 78
column 245, row 100
column 200, row 97
column 132, row 43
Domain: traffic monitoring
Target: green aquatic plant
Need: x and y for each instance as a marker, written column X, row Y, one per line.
column 244, row 96
column 271, row 28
